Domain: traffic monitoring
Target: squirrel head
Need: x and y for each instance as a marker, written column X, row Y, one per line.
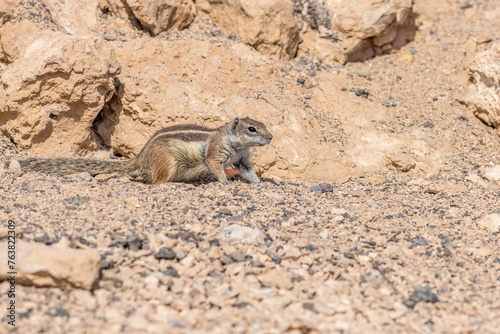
column 249, row 132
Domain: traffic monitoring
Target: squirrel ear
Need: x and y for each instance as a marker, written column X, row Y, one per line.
column 235, row 123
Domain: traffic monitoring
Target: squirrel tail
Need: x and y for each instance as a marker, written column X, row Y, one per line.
column 75, row 165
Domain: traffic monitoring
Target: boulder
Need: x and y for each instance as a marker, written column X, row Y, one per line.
column 357, row 31
column 268, row 26
column 482, row 96
column 73, row 16
column 51, row 96
column 53, row 266
column 153, row 15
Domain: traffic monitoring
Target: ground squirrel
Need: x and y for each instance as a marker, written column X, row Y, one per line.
column 175, row 154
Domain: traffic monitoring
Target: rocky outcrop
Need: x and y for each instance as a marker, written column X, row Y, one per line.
column 69, row 95
column 484, row 89
column 51, row 96
column 153, row 15
column 352, row 31
column 268, row 26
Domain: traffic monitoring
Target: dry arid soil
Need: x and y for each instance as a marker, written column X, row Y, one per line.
column 409, row 247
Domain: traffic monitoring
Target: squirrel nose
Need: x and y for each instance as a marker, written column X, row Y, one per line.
column 270, row 136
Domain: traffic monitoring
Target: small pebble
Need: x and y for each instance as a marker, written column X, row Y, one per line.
column 15, row 167
column 361, row 93
column 171, row 272
column 428, row 124
column 311, row 247
column 176, row 324
column 180, row 255
column 165, row 253
column 57, row 312
column 421, row 241
column 225, row 260
column 234, row 219
column 274, row 256
column 421, row 294
column 132, row 201
column 407, row 58
column 242, row 304
column 225, row 211
column 133, row 242
column 466, row 5
column 322, row 187
column 238, row 256
column 308, row 84
column 85, row 176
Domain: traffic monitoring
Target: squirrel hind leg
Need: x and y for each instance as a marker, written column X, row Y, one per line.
column 162, row 169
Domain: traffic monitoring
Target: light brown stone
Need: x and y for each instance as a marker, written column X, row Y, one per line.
column 490, row 222
column 53, row 266
column 235, row 232
column 407, row 58
column 104, row 177
column 447, row 188
column 482, row 96
column 492, row 173
column 6, row 10
column 15, row 167
column 276, row 278
column 132, row 201
column 291, row 252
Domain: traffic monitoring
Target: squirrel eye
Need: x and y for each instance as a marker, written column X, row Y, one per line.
column 252, row 129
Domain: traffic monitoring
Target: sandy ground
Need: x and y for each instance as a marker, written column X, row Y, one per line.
column 373, row 255
column 384, row 253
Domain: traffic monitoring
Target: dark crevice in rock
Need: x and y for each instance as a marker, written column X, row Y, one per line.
column 106, row 120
